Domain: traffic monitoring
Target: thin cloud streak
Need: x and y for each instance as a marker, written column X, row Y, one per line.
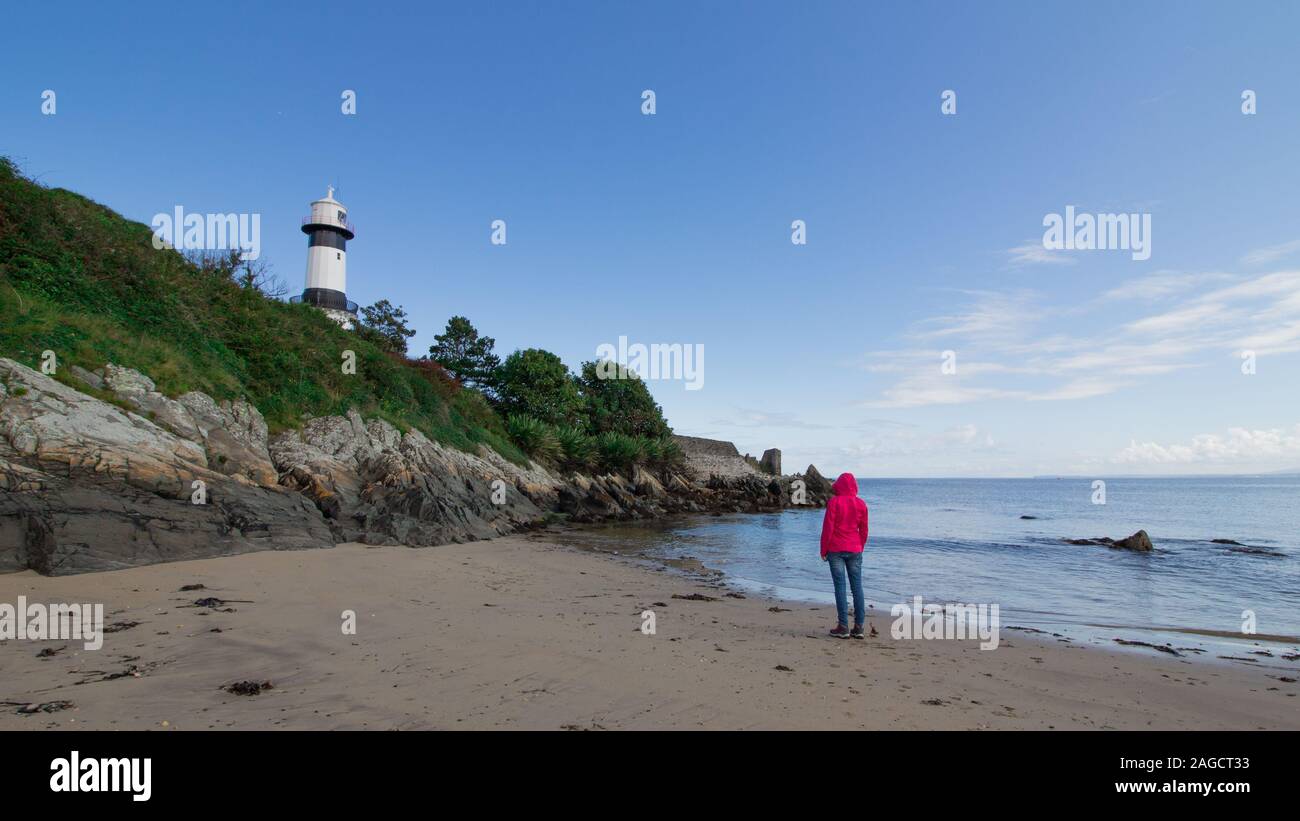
column 1003, row 354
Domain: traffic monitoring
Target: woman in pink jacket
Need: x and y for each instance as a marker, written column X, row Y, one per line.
column 844, row 535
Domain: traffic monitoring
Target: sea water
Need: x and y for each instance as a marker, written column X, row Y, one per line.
column 964, row 540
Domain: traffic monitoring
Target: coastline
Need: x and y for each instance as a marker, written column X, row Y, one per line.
column 682, row 547
column 91, row 486
column 525, row 632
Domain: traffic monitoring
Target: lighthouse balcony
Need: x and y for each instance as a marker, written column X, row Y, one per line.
column 325, row 298
column 344, row 227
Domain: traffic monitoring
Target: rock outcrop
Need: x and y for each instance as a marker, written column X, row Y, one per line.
column 377, row 485
column 1139, row 542
column 86, row 484
column 818, row 486
column 233, row 434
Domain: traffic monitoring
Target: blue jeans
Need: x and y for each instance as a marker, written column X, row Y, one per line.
column 843, row 563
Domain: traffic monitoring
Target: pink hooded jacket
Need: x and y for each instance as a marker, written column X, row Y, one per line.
column 844, row 528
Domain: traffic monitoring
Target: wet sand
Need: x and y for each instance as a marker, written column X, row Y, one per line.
column 527, row 633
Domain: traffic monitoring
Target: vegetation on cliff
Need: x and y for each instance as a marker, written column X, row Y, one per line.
column 603, row 418
column 79, row 280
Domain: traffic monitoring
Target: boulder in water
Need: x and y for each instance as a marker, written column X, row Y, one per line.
column 1139, row 541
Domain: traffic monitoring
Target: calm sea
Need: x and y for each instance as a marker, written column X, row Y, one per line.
column 963, row 540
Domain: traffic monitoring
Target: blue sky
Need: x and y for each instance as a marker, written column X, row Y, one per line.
column 924, row 230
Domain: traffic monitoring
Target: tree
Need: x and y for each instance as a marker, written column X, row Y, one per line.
column 464, row 354
column 385, row 326
column 256, row 275
column 536, row 383
column 249, row 274
column 619, row 402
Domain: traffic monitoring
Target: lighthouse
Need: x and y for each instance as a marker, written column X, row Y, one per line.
column 328, row 232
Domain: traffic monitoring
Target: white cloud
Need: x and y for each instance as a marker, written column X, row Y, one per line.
column 1281, row 282
column 1277, row 447
column 917, row 393
column 1279, row 339
column 992, row 316
column 913, row 444
column 1032, row 252
column 1263, row 256
column 899, row 452
column 1009, row 345
column 750, row 418
column 1161, row 285
column 1132, row 358
column 1185, row 318
column 1081, row 389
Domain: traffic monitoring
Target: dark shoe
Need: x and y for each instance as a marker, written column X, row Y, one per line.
column 840, row 632
column 856, row 632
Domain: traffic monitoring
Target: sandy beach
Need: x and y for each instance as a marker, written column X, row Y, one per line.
column 525, row 633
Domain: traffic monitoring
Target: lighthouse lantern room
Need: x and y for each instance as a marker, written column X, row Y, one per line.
column 328, row 232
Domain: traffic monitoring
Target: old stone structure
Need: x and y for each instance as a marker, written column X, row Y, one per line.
column 714, row 457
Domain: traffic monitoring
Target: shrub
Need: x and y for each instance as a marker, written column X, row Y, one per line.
column 651, row 452
column 534, row 437
column 578, row 450
column 618, row 451
column 670, row 453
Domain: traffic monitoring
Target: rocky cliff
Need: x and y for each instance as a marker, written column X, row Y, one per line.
column 90, row 485
column 113, row 474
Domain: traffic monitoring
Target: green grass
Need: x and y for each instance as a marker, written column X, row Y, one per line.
column 81, row 281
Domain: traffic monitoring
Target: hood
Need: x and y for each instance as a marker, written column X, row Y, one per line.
column 846, row 485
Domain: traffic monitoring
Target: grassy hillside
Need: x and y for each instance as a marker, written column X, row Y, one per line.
column 78, row 279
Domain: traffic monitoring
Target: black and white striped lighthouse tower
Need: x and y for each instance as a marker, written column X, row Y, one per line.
column 328, row 232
